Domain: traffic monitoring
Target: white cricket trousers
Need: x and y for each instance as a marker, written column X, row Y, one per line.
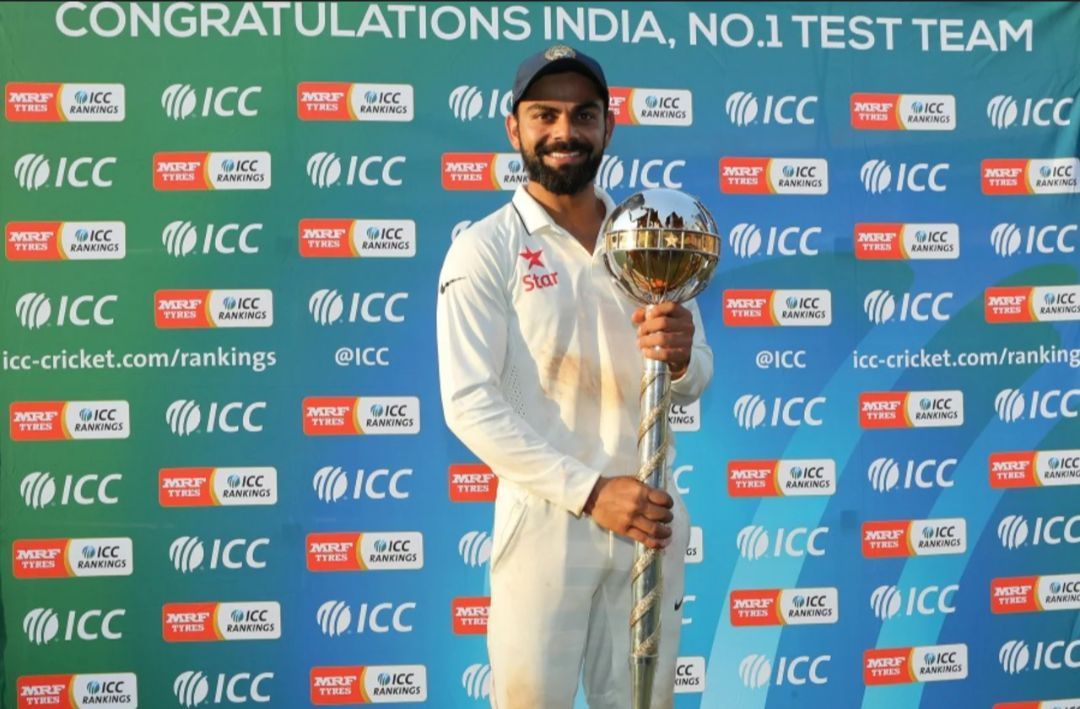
column 560, row 599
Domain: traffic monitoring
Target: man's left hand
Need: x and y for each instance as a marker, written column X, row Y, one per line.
column 666, row 333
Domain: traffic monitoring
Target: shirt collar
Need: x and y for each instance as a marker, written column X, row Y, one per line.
column 535, row 217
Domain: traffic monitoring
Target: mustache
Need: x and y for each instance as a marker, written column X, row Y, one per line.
column 566, row 146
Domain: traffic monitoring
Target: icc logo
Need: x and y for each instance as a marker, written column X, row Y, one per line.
column 1002, row 110
column 324, row 170
column 742, row 109
column 877, row 177
column 32, row 172
column 180, row 101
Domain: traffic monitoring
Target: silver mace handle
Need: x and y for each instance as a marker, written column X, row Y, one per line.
column 646, row 582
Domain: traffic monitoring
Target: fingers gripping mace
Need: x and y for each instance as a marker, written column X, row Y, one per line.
column 659, row 245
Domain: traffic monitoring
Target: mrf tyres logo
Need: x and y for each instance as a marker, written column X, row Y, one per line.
column 903, row 111
column 343, row 101
column 77, row 691
column 1027, row 594
column 69, row 420
column 926, row 663
column 352, row 238
column 911, row 409
column 65, row 241
column 71, row 558
column 766, row 307
column 67, row 103
column 364, row 415
column 483, row 171
column 363, row 551
column 915, row 537
column 213, row 621
column 372, row 684
column 210, row 487
column 1034, row 468
column 791, row 606
column 207, row 308
column 1017, row 304
column 781, row 478
column 203, row 170
column 892, row 241
column 1023, row 176
column 783, row 176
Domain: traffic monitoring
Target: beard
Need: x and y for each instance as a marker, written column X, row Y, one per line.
column 565, row 180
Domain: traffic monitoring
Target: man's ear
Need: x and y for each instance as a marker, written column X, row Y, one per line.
column 609, row 127
column 512, row 130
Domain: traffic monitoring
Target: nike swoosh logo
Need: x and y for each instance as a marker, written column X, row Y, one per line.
column 678, row 604
column 444, row 286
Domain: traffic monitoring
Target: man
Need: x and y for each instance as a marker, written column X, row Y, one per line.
column 539, row 369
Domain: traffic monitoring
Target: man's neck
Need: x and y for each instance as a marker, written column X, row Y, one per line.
column 580, row 213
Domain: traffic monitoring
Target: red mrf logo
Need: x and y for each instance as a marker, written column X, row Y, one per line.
column 472, row 482
column 470, row 615
column 1014, row 595
column 1009, row 470
column 744, row 175
column 882, row 409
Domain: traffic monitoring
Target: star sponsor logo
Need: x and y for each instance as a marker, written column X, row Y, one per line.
column 213, row 487
column 1019, row 469
column 371, row 684
column 537, row 281
column 69, row 420
column 1017, row 304
column 77, row 691
column 651, row 107
column 204, row 170
column 482, row 171
column 364, row 551
column 911, row 409
column 354, row 238
column 893, row 241
column 65, row 241
column 469, row 616
column 767, row 307
column 781, row 478
column 216, row 307
column 472, row 482
column 344, row 101
column 361, row 415
column 790, row 606
column 924, row 663
column 72, row 557
column 1027, row 594
column 783, row 176
column 876, row 111
column 1021, row 176
column 63, row 102
column 914, row 537
column 215, row 621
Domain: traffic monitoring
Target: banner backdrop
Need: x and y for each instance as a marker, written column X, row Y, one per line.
column 226, row 475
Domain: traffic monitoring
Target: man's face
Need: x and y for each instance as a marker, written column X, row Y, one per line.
column 561, row 128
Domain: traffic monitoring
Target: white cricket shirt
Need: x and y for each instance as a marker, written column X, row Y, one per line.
column 539, row 366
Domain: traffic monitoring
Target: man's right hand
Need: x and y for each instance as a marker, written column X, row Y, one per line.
column 632, row 509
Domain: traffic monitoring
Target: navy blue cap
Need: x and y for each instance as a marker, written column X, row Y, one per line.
column 555, row 59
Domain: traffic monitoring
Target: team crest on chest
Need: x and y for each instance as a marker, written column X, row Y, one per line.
column 535, row 281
